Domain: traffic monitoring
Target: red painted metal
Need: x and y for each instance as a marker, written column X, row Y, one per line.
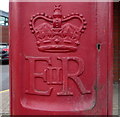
column 59, row 58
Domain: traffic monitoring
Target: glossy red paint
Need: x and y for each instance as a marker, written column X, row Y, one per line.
column 60, row 58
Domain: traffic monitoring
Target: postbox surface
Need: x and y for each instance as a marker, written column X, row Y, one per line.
column 59, row 58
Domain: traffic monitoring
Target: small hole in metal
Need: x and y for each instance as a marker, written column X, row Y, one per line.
column 98, row 47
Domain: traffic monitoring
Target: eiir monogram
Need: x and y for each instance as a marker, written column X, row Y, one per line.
column 48, row 78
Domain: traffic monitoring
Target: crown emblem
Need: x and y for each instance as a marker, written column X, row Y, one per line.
column 57, row 34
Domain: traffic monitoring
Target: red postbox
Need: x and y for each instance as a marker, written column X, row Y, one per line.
column 61, row 58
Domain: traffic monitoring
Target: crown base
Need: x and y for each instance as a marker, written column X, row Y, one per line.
column 57, row 48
